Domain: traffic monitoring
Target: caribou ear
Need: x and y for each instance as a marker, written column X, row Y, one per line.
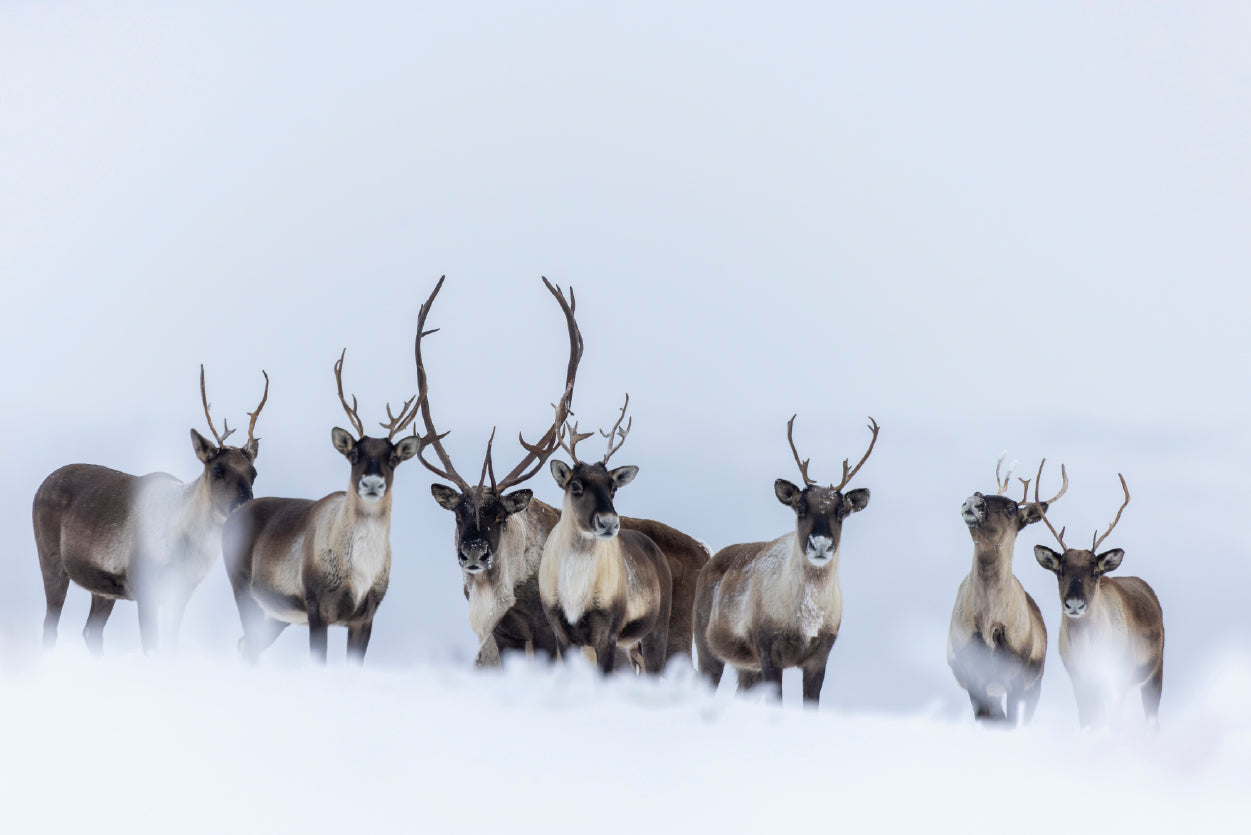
column 203, row 447
column 1047, row 558
column 857, row 500
column 787, row 493
column 516, row 501
column 408, row 447
column 342, row 440
column 252, row 449
column 624, row 475
column 561, row 472
column 1109, row 560
column 1028, row 514
column 447, row 498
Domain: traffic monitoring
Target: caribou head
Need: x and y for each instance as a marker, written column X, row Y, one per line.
column 374, row 460
column 591, row 488
column 229, row 471
column 1077, row 569
column 997, row 519
column 482, row 511
column 820, row 511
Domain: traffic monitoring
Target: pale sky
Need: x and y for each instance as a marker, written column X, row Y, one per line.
column 991, row 227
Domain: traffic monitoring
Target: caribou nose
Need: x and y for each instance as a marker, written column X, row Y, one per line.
column 971, row 510
column 820, row 546
column 607, row 525
column 373, row 484
column 1074, row 608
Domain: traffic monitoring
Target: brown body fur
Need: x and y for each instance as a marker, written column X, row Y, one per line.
column 148, row 538
column 519, row 608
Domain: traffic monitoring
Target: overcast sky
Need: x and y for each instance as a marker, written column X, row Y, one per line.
column 993, row 227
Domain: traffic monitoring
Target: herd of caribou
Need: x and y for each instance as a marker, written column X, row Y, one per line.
column 628, row 592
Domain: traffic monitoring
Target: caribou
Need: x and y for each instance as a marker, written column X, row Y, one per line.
column 499, row 535
column 1112, row 630
column 997, row 641
column 149, row 538
column 326, row 562
column 764, row 606
column 602, row 587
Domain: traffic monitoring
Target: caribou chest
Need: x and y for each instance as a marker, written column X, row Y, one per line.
column 580, row 574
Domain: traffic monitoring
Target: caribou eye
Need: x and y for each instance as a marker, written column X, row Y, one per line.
column 575, row 489
column 1011, row 509
column 394, row 461
column 218, row 472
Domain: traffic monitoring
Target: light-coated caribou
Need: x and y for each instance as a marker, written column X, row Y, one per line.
column 326, row 562
column 764, row 606
column 150, row 538
column 1112, row 630
column 603, row 587
column 500, row 535
column 997, row 641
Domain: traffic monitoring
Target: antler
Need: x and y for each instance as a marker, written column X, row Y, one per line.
column 1098, row 539
column 803, row 465
column 1025, row 495
column 617, row 432
column 848, row 476
column 261, row 405
column 221, row 439
column 432, row 437
column 537, row 454
column 351, row 410
column 1042, row 505
column 398, row 423
column 574, row 437
column 1002, row 483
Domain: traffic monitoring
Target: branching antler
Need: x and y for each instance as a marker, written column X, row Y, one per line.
column 537, row 454
column 1002, row 483
column 253, row 415
column 569, row 437
column 1025, row 495
column 398, row 423
column 221, row 439
column 432, row 437
column 351, row 410
column 617, row 433
column 1042, row 506
column 790, row 437
column 848, row 476
column 1099, row 539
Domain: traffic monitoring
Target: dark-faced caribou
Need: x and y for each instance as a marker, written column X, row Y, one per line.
column 326, row 562
column 764, row 606
column 150, row 538
column 997, row 641
column 500, row 535
column 603, row 587
column 1112, row 629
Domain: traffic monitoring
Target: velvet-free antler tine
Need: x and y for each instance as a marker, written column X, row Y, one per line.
column 253, row 415
column 1042, row 506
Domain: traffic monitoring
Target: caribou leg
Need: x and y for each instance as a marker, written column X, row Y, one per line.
column 93, row 632
column 358, row 641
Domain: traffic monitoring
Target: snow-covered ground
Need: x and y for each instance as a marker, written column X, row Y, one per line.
column 140, row 745
column 990, row 226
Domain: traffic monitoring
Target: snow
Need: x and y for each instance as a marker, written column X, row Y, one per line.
column 134, row 744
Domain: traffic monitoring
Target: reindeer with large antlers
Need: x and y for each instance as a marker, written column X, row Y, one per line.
column 150, row 538
column 764, row 606
column 500, row 535
column 603, row 587
column 326, row 562
column 1112, row 632
column 997, row 641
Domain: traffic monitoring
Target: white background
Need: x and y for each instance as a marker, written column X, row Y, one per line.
column 992, row 227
